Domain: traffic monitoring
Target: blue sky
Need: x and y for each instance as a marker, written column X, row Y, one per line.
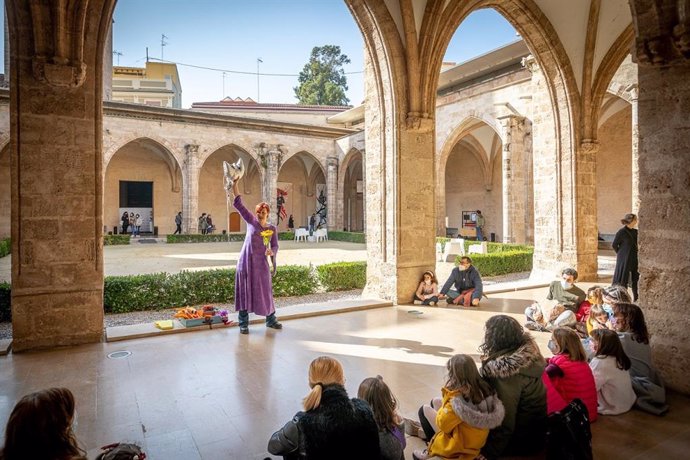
column 232, row 34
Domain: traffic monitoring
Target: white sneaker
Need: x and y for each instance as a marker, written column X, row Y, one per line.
column 417, row 302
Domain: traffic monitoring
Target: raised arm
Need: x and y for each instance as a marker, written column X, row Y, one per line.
column 244, row 212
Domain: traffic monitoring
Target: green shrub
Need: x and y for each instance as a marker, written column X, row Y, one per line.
column 291, row 280
column 501, row 262
column 443, row 241
column 341, row 276
column 351, row 237
column 286, row 236
column 5, row 247
column 5, row 305
column 162, row 290
column 198, row 238
column 114, row 240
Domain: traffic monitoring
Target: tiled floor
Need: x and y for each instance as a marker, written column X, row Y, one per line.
column 219, row 395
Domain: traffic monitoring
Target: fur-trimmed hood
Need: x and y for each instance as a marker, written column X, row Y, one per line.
column 525, row 360
column 488, row 414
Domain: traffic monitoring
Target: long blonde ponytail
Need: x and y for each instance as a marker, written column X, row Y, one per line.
column 324, row 370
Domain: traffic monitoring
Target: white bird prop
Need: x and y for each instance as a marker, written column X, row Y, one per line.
column 231, row 173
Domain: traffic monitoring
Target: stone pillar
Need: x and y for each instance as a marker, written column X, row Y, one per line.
column 108, row 65
column 516, row 176
column 400, row 181
column 332, row 193
column 664, row 191
column 634, row 95
column 56, row 173
column 364, row 190
column 190, row 190
column 565, row 232
column 7, row 48
column 271, row 160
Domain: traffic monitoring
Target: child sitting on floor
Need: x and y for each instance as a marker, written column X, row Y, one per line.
column 610, row 365
column 458, row 424
column 598, row 319
column 383, row 404
column 427, row 291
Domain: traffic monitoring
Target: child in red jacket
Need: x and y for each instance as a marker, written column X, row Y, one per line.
column 567, row 375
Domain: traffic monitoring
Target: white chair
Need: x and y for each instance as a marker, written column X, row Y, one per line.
column 321, row 234
column 480, row 248
column 301, row 234
column 454, row 247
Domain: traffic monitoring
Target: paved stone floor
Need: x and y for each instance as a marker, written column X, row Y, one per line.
column 219, row 395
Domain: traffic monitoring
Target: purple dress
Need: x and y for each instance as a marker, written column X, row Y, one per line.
column 253, row 285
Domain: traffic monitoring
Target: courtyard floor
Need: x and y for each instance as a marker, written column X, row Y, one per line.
column 216, row 394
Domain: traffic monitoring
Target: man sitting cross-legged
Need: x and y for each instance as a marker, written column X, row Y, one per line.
column 468, row 285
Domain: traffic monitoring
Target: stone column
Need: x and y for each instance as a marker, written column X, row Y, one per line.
column 271, row 160
column 634, row 95
column 364, row 190
column 332, row 193
column 585, row 224
column 515, row 175
column 190, row 189
column 664, row 191
column 56, row 173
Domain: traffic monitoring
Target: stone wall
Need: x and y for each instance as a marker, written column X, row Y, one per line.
column 5, row 195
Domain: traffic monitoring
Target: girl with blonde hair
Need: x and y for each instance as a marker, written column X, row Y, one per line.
column 332, row 426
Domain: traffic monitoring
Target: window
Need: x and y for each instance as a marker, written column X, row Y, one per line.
column 136, row 194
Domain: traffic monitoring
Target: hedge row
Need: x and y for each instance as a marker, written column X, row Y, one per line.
column 351, row 237
column 5, row 247
column 490, row 247
column 502, row 262
column 342, row 275
column 115, row 240
column 162, row 290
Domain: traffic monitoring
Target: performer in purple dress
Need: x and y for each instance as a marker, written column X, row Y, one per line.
column 253, row 284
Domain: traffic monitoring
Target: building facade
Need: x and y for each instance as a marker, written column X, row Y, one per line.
column 157, row 85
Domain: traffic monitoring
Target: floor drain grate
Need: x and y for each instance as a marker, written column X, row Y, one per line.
column 119, row 354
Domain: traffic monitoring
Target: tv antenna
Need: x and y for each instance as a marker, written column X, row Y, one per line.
column 163, row 43
column 118, row 54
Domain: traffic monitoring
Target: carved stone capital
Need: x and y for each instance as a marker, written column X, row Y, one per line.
column 530, row 63
column 60, row 75
column 589, row 146
column 420, row 122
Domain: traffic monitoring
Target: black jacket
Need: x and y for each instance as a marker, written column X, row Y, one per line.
column 463, row 280
column 339, row 429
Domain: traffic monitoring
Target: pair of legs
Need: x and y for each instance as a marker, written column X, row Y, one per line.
column 427, row 419
column 465, row 297
column 243, row 318
column 428, row 301
column 633, row 276
column 178, row 230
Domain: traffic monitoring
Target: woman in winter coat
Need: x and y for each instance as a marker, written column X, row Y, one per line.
column 125, row 222
column 512, row 364
column 567, row 375
column 646, row 381
column 332, row 426
column 459, row 423
column 610, row 366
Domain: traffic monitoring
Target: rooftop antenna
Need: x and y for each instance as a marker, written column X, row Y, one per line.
column 118, row 54
column 258, row 88
column 223, row 86
column 163, row 44
column 147, row 54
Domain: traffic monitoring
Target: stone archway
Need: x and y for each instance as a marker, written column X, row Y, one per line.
column 471, row 180
column 302, row 176
column 351, row 180
column 144, row 160
column 211, row 196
